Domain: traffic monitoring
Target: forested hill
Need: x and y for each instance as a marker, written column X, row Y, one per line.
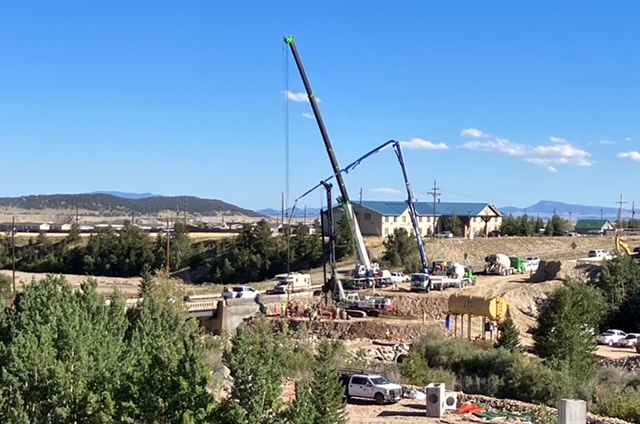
column 100, row 202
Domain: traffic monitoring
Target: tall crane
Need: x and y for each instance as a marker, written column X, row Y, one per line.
column 365, row 268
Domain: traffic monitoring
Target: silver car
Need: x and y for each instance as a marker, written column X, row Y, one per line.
column 631, row 340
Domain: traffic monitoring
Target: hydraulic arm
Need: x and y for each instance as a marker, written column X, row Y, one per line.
column 361, row 250
column 412, row 209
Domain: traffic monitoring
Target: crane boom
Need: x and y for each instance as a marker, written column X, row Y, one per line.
column 361, row 249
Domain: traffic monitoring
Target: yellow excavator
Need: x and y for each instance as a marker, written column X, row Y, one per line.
column 622, row 246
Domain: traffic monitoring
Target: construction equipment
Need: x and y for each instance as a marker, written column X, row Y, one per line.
column 364, row 268
column 498, row 264
column 622, row 246
column 420, row 279
column 352, row 303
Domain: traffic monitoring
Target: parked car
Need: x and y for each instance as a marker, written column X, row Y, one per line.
column 236, row 292
column 533, row 260
column 630, row 341
column 399, row 277
column 610, row 337
column 599, row 253
column 445, row 234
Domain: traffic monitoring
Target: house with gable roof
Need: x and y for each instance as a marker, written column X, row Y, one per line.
column 381, row 218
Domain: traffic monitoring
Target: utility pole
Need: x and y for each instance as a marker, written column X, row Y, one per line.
column 436, row 195
column 633, row 213
column 184, row 210
column 305, row 215
column 282, row 211
column 601, row 214
column 13, row 253
column 168, row 246
column 360, row 197
column 77, row 212
column 620, row 202
column 570, row 216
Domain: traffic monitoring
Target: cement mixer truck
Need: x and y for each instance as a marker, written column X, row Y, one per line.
column 456, row 276
column 499, row 264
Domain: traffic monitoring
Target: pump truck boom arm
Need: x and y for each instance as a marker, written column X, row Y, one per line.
column 412, row 209
column 361, row 249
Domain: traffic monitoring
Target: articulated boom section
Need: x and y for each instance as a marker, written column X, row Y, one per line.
column 412, row 209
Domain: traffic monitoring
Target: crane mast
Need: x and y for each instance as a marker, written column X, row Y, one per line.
column 361, row 250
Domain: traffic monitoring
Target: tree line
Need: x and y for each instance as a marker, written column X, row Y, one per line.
column 255, row 254
column 68, row 357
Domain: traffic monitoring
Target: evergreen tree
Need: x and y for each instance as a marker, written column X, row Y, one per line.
column 327, row 392
column 509, row 336
column 564, row 336
column 302, row 409
column 254, row 365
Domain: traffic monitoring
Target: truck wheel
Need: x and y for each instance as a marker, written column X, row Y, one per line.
column 379, row 398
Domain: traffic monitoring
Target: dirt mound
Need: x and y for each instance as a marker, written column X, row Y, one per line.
column 564, row 270
column 365, row 328
column 431, row 306
column 548, row 248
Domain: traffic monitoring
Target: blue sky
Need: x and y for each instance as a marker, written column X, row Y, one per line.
column 505, row 102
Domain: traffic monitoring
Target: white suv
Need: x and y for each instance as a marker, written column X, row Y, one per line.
column 610, row 337
column 245, row 292
column 399, row 277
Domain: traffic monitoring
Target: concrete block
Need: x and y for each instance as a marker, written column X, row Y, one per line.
column 436, row 402
column 572, row 411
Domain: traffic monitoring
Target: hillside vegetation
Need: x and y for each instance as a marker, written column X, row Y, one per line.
column 106, row 204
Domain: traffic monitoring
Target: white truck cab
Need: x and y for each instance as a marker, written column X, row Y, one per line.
column 371, row 386
column 420, row 282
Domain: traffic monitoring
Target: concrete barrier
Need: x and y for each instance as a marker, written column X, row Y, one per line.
column 226, row 315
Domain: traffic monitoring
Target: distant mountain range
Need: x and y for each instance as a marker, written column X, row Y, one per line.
column 128, row 195
column 546, row 208
column 311, row 213
column 119, row 205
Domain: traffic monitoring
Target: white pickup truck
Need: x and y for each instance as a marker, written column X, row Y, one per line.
column 371, row 386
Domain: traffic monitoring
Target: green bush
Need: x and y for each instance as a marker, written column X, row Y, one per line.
column 477, row 369
column 625, row 406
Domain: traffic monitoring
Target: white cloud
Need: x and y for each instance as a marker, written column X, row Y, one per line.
column 558, row 140
column 552, row 169
column 634, row 156
column 385, row 190
column 560, row 152
column 474, row 133
column 607, row 142
column 420, row 144
column 627, row 139
column 307, row 115
column 298, row 97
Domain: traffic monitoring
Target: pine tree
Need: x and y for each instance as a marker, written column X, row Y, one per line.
column 509, row 336
column 302, row 409
column 257, row 377
column 327, row 391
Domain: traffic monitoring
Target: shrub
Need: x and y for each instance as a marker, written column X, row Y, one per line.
column 625, row 406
